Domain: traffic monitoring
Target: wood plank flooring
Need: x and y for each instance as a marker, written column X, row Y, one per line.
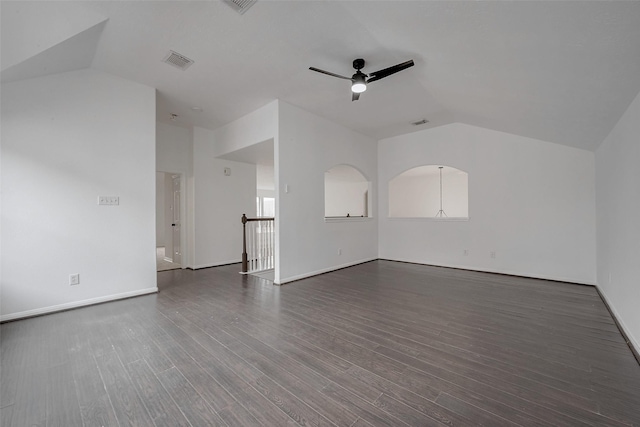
column 378, row 344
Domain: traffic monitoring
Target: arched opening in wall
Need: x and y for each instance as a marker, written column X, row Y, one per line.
column 431, row 191
column 347, row 193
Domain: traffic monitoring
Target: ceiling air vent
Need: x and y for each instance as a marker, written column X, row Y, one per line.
column 177, row 60
column 240, row 6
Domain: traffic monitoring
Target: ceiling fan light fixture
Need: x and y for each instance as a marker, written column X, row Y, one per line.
column 359, row 84
column 358, row 87
column 359, row 80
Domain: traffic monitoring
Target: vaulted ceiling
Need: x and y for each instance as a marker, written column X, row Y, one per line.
column 558, row 71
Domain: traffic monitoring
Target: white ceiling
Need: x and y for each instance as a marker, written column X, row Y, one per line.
column 557, row 71
column 257, row 154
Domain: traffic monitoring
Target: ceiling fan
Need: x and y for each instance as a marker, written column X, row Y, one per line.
column 359, row 80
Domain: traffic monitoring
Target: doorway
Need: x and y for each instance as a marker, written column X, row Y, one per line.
column 168, row 221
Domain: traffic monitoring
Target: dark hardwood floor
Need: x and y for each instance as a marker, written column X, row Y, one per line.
column 378, row 344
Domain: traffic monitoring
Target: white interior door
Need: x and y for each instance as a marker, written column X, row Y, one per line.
column 176, row 223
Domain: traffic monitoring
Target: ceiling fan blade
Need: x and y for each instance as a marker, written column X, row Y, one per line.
column 329, row 73
column 354, row 96
column 377, row 75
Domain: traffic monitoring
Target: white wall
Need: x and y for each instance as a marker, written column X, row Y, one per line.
column 258, row 126
column 67, row 139
column 308, row 146
column 531, row 202
column 173, row 148
column 265, row 178
column 618, row 204
column 218, row 203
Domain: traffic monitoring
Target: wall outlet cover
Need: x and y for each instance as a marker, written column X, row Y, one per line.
column 108, row 200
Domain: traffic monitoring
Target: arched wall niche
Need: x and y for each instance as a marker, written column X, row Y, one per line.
column 347, row 193
column 429, row 191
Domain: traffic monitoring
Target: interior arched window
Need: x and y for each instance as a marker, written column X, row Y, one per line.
column 346, row 193
column 431, row 191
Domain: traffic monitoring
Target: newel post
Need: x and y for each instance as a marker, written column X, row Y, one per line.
column 244, row 243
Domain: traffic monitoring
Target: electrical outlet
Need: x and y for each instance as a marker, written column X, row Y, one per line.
column 74, row 279
column 493, row 254
column 339, row 251
column 108, row 200
column 465, row 252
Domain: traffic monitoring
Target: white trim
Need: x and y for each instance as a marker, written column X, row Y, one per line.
column 348, row 219
column 632, row 340
column 429, row 218
column 324, row 270
column 75, row 304
column 215, row 264
column 486, row 270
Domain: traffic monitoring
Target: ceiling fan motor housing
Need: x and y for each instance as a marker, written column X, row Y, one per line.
column 358, row 64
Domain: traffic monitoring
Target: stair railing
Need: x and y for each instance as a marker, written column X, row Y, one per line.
column 258, row 244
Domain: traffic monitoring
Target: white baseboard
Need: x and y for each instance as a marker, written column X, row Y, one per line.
column 495, row 271
column 324, row 270
column 75, row 304
column 620, row 320
column 216, row 264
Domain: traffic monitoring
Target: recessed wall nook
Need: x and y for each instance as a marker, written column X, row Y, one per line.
column 431, row 191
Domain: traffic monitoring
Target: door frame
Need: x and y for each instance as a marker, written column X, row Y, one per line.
column 183, row 217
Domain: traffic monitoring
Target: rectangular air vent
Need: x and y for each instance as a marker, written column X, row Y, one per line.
column 177, row 60
column 240, row 6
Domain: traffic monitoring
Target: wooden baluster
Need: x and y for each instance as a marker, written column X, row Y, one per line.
column 266, row 245
column 258, row 245
column 271, row 244
column 261, row 248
